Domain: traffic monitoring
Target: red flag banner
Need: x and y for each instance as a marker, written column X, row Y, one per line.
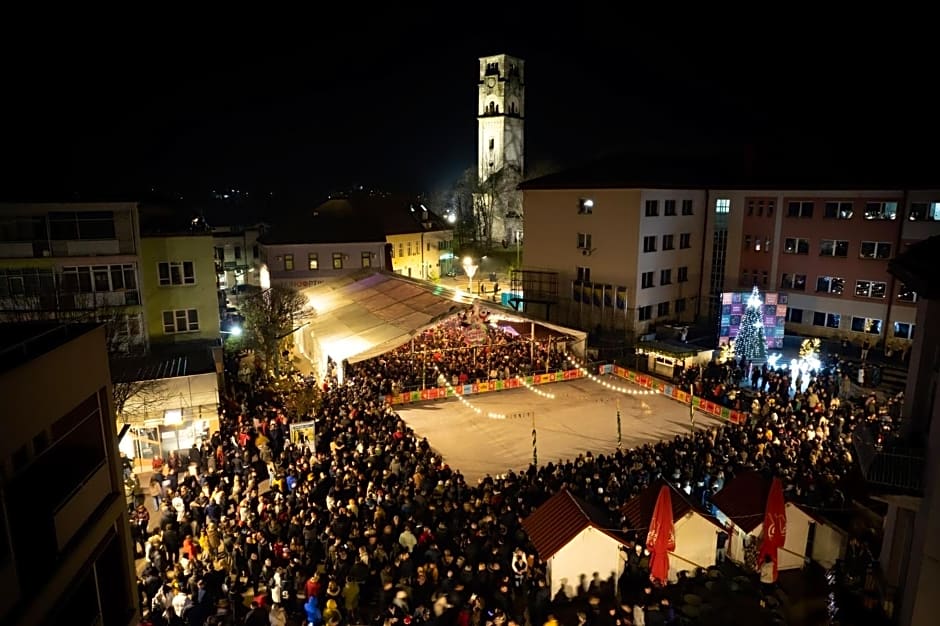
column 661, row 539
column 775, row 525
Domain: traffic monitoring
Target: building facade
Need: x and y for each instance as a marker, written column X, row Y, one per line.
column 237, row 255
column 828, row 251
column 302, row 265
column 180, row 301
column 76, row 261
column 625, row 258
column 64, row 556
column 672, row 250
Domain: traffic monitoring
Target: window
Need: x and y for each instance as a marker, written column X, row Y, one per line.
column 866, row 325
column 793, row 281
column 723, row 205
column 409, row 248
column 800, row 209
column 401, row 250
column 645, row 312
column 238, row 252
column 758, row 206
column 669, row 207
column 758, row 244
column 875, row 250
column 870, row 288
column 288, row 262
column 830, row 284
column 584, row 241
column 662, row 309
column 795, row 316
column 766, row 245
column 649, row 243
column 665, row 277
column 218, row 253
column 65, row 225
column 839, row 210
column 925, row 211
column 337, row 260
column 176, row 273
column 881, row 210
column 652, row 208
column 685, row 240
column 834, row 247
column 680, row 306
column 313, row 261
column 492, row 141
column 668, row 242
column 829, row 320
column 647, row 280
column 584, row 274
column 796, row 245
column 747, row 242
column 585, row 206
column 682, row 274
column 906, row 294
column 764, row 277
column 903, row 331
column 686, row 209
column 366, row 259
column 180, row 321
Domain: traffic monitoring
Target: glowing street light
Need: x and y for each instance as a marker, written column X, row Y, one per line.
column 470, row 268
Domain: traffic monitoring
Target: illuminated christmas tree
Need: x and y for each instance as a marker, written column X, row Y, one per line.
column 750, row 342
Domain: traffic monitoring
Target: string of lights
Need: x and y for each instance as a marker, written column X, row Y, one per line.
column 604, row 383
column 537, row 392
column 466, row 403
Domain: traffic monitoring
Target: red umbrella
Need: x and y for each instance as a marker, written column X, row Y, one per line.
column 775, row 525
column 661, row 539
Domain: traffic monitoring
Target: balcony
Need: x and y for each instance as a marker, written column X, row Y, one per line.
column 892, row 466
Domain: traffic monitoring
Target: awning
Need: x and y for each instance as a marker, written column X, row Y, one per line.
column 663, row 348
column 372, row 312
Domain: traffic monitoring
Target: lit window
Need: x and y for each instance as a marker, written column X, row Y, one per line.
column 830, row 284
column 839, row 210
column 903, row 330
column 925, row 211
column 875, row 250
column 881, row 210
column 870, row 289
column 723, row 205
column 585, row 206
column 796, row 245
column 866, row 325
column 906, row 294
column 337, row 260
column 313, row 261
column 288, row 262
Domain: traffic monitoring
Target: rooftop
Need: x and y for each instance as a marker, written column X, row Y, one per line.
column 357, row 217
column 738, row 171
column 560, row 519
column 639, row 509
column 25, row 341
column 164, row 362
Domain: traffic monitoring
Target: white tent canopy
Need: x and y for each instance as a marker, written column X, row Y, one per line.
column 372, row 312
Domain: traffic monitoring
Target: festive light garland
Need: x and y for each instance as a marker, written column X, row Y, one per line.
column 475, row 409
column 537, row 392
column 593, row 378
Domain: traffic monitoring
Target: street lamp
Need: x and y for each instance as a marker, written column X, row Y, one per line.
column 470, row 268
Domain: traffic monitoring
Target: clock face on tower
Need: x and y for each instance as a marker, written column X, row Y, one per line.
column 490, row 82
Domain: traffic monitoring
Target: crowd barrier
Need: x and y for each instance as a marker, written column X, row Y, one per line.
column 676, row 393
column 641, row 380
column 437, row 393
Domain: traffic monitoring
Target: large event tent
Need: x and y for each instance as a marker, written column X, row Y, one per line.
column 374, row 311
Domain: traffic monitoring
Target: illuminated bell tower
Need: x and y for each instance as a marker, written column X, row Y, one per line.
column 500, row 114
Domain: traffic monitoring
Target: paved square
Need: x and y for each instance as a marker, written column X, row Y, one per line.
column 582, row 417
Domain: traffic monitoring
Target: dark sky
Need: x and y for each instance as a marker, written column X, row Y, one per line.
column 302, row 105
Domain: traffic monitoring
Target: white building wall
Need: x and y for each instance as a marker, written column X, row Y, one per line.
column 828, row 545
column 696, row 544
column 590, row 551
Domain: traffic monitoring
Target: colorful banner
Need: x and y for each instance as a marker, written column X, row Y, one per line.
column 439, row 393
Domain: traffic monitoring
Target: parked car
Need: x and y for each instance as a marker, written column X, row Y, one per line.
column 242, row 290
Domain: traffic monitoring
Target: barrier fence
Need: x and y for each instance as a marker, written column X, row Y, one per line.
column 641, row 380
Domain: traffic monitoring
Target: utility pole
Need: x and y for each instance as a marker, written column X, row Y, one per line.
column 535, row 450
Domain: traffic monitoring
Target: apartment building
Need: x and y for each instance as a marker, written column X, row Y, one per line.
column 65, row 548
column 237, row 255
column 76, row 261
column 827, row 251
column 146, row 273
column 666, row 237
column 627, row 252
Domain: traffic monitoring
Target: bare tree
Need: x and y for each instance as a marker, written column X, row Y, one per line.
column 486, row 208
column 270, row 316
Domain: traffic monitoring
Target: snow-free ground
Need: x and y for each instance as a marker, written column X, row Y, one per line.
column 582, row 417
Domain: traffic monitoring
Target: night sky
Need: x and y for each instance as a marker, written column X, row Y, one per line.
column 302, row 106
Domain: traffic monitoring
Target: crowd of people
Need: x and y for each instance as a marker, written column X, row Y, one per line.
column 371, row 525
column 464, row 349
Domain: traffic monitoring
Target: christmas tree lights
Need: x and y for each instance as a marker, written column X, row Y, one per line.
column 750, row 342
